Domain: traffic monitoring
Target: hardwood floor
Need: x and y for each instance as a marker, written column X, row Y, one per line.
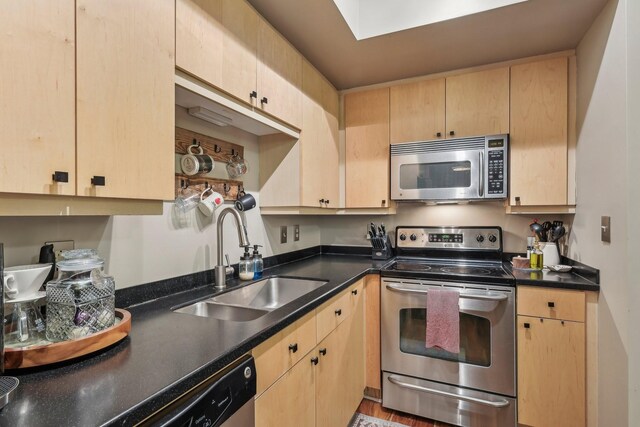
column 375, row 409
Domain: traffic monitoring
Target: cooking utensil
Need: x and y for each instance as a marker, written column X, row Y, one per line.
column 384, row 230
column 538, row 230
column 557, row 233
column 557, row 223
column 372, row 227
column 546, row 226
column 380, row 234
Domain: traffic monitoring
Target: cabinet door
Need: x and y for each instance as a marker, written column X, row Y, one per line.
column 239, row 47
column 551, row 372
column 538, row 136
column 331, row 387
column 367, row 148
column 290, row 402
column 417, row 111
column 353, row 366
column 279, row 76
column 199, row 39
column 319, row 138
column 125, row 98
column 37, row 98
column 478, row 103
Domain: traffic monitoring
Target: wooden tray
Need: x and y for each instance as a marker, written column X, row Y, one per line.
column 18, row 358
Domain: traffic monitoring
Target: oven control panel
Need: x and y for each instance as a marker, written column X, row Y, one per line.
column 474, row 238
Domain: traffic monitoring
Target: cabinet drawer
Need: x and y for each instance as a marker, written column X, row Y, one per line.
column 355, row 293
column 551, row 303
column 280, row 352
column 332, row 313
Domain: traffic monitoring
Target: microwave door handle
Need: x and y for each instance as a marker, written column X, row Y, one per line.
column 398, row 288
column 481, row 189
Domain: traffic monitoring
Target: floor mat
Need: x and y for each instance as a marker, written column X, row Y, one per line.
column 362, row 420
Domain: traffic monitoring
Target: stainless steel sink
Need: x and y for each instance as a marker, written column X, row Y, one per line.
column 269, row 294
column 254, row 300
column 221, row 311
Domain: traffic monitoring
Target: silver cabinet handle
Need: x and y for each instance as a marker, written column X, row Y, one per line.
column 494, row 404
column 398, row 288
column 481, row 190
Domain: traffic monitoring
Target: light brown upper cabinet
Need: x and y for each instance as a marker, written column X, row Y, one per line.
column 417, row 111
column 227, row 44
column 367, row 148
column 37, row 105
column 279, row 76
column 200, row 39
column 319, row 141
column 478, row 103
column 125, row 98
column 538, row 135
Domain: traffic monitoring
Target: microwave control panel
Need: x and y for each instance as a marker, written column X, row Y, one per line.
column 496, row 165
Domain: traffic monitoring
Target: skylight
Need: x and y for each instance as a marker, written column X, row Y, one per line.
column 371, row 18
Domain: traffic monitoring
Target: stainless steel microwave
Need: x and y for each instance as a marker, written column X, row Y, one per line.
column 450, row 169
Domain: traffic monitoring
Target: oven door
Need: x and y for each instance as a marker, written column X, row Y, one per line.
column 487, row 335
column 448, row 175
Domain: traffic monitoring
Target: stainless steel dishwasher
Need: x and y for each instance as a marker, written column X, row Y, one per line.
column 224, row 400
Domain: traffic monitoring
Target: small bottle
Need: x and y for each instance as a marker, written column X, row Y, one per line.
column 530, row 241
column 258, row 262
column 536, row 257
column 245, row 267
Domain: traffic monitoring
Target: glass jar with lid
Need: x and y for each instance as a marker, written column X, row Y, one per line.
column 81, row 299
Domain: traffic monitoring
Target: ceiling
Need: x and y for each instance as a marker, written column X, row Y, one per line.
column 318, row 30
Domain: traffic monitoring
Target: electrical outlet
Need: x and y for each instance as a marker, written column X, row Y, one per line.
column 61, row 245
column 296, row 233
column 283, row 234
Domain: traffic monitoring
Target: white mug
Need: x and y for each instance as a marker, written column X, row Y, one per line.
column 208, row 204
column 199, row 163
column 24, row 281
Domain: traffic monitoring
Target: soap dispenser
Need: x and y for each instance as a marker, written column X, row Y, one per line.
column 246, row 265
column 258, row 262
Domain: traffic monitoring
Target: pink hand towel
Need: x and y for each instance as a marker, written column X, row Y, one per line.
column 443, row 320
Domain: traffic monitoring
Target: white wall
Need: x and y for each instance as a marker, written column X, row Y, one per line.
column 142, row 249
column 350, row 230
column 633, row 160
column 602, row 185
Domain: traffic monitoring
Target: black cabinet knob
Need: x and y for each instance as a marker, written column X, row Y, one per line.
column 321, row 201
column 264, row 100
column 517, row 199
column 293, row 347
column 98, row 181
column 59, row 176
column 354, row 292
column 253, row 94
column 327, row 201
column 314, row 360
column 451, row 133
column 527, row 325
column 338, row 312
column 323, row 351
column 551, row 304
column 439, row 134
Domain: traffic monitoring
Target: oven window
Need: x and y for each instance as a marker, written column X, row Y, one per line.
column 475, row 337
column 435, row 175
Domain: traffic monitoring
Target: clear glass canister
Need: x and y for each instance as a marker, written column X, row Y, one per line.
column 81, row 300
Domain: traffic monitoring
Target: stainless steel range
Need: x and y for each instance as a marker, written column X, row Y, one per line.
column 477, row 386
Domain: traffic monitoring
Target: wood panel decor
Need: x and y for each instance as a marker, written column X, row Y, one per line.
column 18, row 358
column 220, row 150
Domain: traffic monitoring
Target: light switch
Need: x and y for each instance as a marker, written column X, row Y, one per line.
column 283, row 234
column 296, row 233
column 605, row 229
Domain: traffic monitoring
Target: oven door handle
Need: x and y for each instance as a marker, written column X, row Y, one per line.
column 462, row 294
column 494, row 404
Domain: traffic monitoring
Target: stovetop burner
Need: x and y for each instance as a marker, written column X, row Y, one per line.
column 453, row 270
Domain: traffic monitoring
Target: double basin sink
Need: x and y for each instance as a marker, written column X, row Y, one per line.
column 253, row 300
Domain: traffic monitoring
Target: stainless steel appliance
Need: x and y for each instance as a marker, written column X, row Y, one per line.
column 224, row 400
column 477, row 386
column 449, row 170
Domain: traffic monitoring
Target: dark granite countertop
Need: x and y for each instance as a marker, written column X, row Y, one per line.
column 166, row 353
column 580, row 278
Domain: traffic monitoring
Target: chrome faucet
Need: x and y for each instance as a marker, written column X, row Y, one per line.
column 243, row 238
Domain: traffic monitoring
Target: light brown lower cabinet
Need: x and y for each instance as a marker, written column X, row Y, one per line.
column 326, row 386
column 551, row 362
